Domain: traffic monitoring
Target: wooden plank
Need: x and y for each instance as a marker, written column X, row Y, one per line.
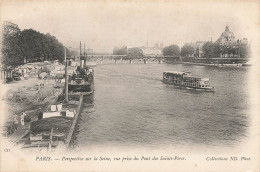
column 18, row 135
column 74, row 123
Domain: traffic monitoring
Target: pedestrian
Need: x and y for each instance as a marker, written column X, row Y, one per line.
column 40, row 115
column 16, row 121
column 22, row 118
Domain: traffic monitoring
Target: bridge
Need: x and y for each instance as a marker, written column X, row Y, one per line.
column 160, row 59
column 101, row 57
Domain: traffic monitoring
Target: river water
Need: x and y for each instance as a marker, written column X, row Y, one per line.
column 132, row 107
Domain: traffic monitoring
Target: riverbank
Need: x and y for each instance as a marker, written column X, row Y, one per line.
column 235, row 65
column 37, row 117
column 214, row 64
column 31, row 95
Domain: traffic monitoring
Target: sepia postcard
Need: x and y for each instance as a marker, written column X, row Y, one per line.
column 127, row 85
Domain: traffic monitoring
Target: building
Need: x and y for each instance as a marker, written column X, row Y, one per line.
column 156, row 50
column 6, row 74
column 226, row 38
column 198, row 48
column 244, row 41
column 230, row 47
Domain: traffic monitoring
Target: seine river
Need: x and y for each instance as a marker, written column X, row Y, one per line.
column 131, row 106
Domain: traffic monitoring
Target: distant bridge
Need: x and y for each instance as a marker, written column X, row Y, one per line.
column 154, row 58
column 101, row 57
column 105, row 56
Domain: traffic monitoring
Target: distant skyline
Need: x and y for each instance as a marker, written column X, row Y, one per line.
column 104, row 25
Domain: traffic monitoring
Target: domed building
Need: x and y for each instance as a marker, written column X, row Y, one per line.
column 226, row 37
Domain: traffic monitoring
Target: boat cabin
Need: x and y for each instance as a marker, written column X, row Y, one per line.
column 196, row 81
column 172, row 74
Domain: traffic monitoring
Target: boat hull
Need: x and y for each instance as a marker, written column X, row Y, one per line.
column 207, row 89
column 84, row 88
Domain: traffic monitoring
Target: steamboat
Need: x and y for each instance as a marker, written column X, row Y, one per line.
column 82, row 79
column 188, row 80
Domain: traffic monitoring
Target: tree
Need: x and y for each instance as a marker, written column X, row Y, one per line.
column 40, row 46
column 208, row 50
column 120, row 51
column 187, row 51
column 197, row 52
column 172, row 50
column 243, row 51
column 216, row 50
column 134, row 53
column 30, row 46
column 11, row 49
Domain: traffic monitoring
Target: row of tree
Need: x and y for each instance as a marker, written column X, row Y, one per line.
column 120, row 51
column 208, row 50
column 130, row 53
column 214, row 50
column 172, row 50
column 20, row 47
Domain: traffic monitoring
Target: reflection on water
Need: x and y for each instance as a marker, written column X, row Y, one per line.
column 132, row 107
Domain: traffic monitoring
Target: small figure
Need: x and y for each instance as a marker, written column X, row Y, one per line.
column 15, row 121
column 22, row 118
column 40, row 115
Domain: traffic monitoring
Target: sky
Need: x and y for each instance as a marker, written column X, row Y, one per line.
column 102, row 25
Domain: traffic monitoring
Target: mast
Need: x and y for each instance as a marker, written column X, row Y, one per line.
column 84, row 49
column 85, row 60
column 66, row 77
column 79, row 49
column 80, row 58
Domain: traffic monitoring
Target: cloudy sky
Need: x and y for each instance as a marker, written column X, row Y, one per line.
column 105, row 24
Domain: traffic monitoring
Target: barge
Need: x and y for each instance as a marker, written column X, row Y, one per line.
column 55, row 128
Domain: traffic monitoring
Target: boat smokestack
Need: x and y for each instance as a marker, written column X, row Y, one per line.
column 79, row 49
column 81, row 58
column 85, row 60
column 81, row 64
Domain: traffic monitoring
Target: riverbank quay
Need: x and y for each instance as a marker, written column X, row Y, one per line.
column 219, row 65
column 214, row 62
column 47, row 121
column 213, row 65
column 23, row 100
column 29, row 97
